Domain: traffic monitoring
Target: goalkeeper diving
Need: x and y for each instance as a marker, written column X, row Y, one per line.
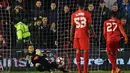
column 41, row 63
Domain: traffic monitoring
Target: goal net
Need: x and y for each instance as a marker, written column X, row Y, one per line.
column 49, row 22
column 5, row 36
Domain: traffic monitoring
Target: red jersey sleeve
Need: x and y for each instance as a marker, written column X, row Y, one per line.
column 72, row 19
column 89, row 20
column 105, row 30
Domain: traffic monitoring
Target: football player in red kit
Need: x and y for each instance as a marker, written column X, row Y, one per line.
column 80, row 26
column 112, row 30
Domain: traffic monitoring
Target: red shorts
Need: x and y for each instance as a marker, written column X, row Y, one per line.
column 112, row 46
column 81, row 43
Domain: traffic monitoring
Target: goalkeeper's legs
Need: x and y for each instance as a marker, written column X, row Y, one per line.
column 54, row 65
column 39, row 67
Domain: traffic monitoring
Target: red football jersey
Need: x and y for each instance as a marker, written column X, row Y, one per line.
column 111, row 29
column 81, row 19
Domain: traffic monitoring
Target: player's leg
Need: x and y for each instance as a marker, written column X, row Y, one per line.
column 54, row 65
column 111, row 55
column 84, row 45
column 39, row 67
column 78, row 60
column 116, row 46
column 85, row 61
column 76, row 45
column 112, row 58
column 41, row 63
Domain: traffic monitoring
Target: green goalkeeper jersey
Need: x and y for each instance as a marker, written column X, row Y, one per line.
column 22, row 30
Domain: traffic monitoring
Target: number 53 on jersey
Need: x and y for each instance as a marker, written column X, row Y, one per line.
column 80, row 22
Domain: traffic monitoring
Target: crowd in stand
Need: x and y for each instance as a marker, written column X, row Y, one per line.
column 49, row 20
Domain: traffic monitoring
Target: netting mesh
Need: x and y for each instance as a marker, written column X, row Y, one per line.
column 52, row 33
column 5, row 34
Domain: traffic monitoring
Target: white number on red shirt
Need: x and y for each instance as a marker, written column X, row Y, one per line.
column 80, row 22
column 110, row 25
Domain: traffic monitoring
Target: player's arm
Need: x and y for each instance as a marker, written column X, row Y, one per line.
column 90, row 25
column 105, row 31
column 39, row 53
column 72, row 29
column 123, row 33
column 92, row 30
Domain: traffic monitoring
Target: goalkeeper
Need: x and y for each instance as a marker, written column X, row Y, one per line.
column 41, row 63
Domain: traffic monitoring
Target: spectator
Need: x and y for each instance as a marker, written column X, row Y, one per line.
column 120, row 3
column 2, row 42
column 38, row 10
column 127, row 28
column 2, row 45
column 125, row 7
column 91, row 9
column 116, row 11
column 40, row 33
column 103, row 14
column 20, row 3
column 18, row 13
column 64, row 26
column 35, row 32
column 48, row 34
column 4, row 12
column 52, row 37
column 103, row 11
column 44, row 33
column 52, row 16
column 109, row 3
column 66, row 18
column 4, row 4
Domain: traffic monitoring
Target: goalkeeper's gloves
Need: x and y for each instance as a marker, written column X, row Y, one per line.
column 38, row 52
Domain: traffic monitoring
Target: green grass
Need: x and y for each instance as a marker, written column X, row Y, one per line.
column 61, row 72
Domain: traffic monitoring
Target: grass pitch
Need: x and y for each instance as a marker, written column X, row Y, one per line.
column 62, row 72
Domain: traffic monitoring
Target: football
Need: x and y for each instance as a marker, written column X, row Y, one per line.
column 60, row 61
